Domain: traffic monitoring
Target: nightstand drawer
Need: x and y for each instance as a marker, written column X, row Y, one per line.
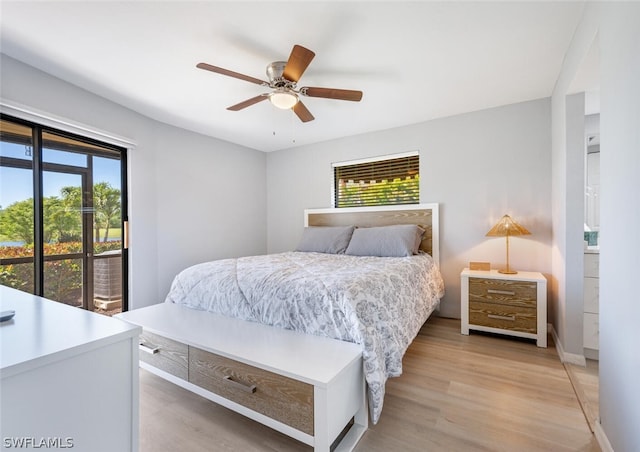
column 504, row 292
column 504, row 317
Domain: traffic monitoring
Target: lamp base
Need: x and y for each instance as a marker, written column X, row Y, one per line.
column 507, row 272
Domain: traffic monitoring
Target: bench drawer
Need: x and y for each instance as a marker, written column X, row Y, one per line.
column 504, row 317
column 281, row 398
column 164, row 354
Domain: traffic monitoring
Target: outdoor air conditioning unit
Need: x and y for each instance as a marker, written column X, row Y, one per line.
column 107, row 280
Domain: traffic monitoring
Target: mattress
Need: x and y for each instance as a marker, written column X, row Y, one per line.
column 378, row 302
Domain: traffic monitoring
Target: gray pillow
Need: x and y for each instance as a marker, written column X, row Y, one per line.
column 386, row 241
column 325, row 239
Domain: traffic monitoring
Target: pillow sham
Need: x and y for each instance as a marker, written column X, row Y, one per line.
column 325, row 239
column 386, row 241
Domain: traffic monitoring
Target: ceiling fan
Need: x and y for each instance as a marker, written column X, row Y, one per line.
column 283, row 78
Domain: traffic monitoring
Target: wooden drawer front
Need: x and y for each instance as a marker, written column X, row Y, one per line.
column 503, row 316
column 164, row 354
column 284, row 399
column 512, row 293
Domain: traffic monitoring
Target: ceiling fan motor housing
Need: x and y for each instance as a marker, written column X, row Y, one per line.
column 274, row 73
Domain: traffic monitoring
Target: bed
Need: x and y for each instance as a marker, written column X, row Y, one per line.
column 369, row 276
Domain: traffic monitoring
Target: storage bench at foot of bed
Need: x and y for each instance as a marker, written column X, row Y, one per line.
column 307, row 387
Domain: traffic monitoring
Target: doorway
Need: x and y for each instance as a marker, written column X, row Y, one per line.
column 63, row 217
column 584, row 375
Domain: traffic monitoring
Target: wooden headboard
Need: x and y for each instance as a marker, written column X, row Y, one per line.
column 424, row 215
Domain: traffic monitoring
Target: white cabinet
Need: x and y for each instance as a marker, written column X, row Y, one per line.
column 69, row 377
column 591, row 289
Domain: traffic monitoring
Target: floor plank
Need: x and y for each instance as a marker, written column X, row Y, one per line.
column 463, row 393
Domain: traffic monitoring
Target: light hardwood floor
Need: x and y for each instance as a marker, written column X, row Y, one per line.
column 586, row 382
column 457, row 393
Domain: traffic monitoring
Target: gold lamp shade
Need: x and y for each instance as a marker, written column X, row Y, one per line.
column 506, row 227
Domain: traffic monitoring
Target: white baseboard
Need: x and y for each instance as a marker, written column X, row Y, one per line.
column 565, row 357
column 601, row 436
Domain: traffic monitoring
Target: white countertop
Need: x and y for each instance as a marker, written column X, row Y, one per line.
column 45, row 331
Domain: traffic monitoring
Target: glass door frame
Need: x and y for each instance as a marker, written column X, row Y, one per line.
column 86, row 254
column 38, row 167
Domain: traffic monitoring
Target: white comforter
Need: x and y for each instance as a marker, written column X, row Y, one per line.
column 380, row 303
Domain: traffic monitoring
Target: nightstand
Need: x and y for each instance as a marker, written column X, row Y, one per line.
column 515, row 305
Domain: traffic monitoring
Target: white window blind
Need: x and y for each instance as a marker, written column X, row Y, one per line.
column 387, row 181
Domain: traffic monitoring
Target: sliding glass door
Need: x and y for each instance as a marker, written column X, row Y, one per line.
column 17, row 207
column 63, row 217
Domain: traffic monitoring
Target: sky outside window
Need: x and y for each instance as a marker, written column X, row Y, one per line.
column 17, row 184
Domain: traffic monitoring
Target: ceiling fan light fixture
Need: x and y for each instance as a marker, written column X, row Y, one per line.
column 283, row 99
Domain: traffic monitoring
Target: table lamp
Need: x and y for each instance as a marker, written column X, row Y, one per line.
column 506, row 227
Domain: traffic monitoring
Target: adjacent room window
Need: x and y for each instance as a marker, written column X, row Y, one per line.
column 388, row 180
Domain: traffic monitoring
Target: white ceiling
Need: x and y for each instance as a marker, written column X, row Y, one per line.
column 414, row 61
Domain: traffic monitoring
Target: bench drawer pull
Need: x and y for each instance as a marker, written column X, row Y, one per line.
column 501, row 292
column 245, row 387
column 148, row 349
column 502, row 317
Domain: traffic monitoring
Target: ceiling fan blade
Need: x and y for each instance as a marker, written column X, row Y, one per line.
column 332, row 93
column 248, row 102
column 302, row 112
column 298, row 62
column 219, row 70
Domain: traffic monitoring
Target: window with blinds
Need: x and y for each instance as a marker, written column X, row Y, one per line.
column 386, row 181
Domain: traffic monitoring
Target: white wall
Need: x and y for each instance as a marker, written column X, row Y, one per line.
column 617, row 27
column 478, row 166
column 211, row 202
column 176, row 217
column 620, row 223
column 567, row 250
